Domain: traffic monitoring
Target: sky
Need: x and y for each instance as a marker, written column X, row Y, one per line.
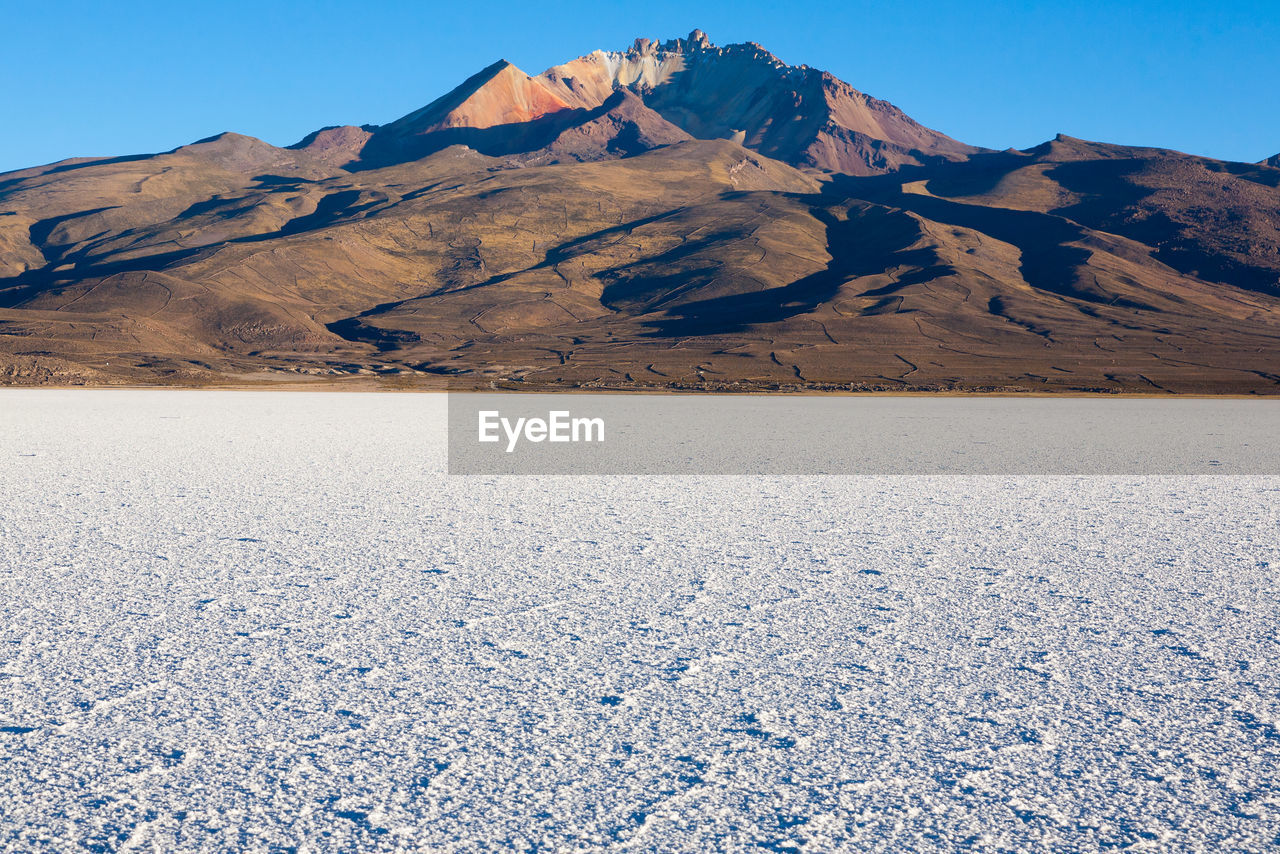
column 102, row 79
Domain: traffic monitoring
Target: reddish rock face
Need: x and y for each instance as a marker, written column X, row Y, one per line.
column 796, row 114
column 499, row 95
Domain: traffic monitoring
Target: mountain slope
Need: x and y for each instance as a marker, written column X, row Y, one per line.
column 1207, row 218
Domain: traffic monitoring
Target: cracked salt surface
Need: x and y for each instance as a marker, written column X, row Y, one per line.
column 269, row 621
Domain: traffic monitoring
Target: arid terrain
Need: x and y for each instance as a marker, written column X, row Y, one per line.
column 674, row 216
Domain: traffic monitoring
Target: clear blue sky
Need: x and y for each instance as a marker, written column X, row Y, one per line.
column 100, row 78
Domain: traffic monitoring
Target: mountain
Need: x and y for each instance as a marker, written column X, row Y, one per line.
column 798, row 115
column 1273, row 161
column 675, row 215
column 684, row 88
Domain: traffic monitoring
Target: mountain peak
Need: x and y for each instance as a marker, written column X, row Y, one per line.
column 696, row 40
column 499, row 94
column 797, row 114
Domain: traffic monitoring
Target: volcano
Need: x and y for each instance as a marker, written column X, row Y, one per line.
column 676, row 215
column 798, row 115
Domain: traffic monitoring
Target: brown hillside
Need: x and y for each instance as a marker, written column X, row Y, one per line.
column 628, row 221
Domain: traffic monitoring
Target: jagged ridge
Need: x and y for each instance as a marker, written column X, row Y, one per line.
column 796, row 114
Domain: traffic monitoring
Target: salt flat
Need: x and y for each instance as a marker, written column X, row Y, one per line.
column 270, row 621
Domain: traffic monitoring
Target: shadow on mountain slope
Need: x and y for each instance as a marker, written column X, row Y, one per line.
column 386, row 149
column 1050, row 262
column 852, row 255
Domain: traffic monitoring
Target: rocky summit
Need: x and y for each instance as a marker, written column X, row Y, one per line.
column 676, row 215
